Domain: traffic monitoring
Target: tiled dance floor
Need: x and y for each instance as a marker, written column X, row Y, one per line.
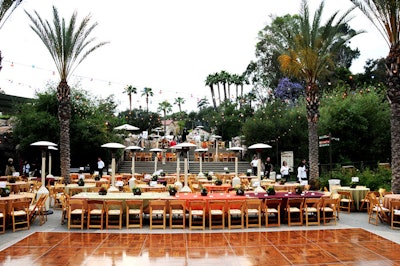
column 312, row 247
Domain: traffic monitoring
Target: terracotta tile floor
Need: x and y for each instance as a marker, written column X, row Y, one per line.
column 313, row 247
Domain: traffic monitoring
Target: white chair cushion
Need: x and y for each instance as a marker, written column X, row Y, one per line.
column 272, row 210
column 311, row 209
column 235, row 211
column 77, row 211
column 96, row 211
column 114, row 212
column 327, row 209
column 294, row 209
column 134, row 211
column 216, row 212
column 158, row 211
column 177, row 211
column 197, row 212
column 253, row 211
column 19, row 213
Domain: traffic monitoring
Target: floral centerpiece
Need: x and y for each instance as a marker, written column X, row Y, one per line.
column 136, row 191
column 226, row 169
column 271, row 190
column 299, row 190
column 248, row 173
column 154, row 177
column 240, row 190
column 218, row 182
column 5, row 192
column 81, row 182
column 172, row 190
column 203, row 191
column 103, row 190
column 12, row 179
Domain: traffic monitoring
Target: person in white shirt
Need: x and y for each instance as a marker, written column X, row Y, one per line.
column 100, row 166
column 302, row 173
column 254, row 164
column 285, row 171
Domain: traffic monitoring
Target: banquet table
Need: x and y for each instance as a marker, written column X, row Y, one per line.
column 291, row 187
column 388, row 198
column 357, row 194
column 212, row 187
column 16, row 187
column 92, row 180
column 83, row 188
column 147, row 188
column 11, row 198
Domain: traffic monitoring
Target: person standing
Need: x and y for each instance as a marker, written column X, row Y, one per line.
column 268, row 167
column 254, row 164
column 100, row 166
column 285, row 171
column 302, row 173
column 10, row 169
column 26, row 169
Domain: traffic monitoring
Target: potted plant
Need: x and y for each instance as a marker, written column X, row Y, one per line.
column 248, row 173
column 240, row 191
column 136, row 191
column 271, row 190
column 203, row 191
column 12, row 179
column 5, row 192
column 218, row 182
column 81, row 182
column 226, row 169
column 299, row 190
column 172, row 190
column 281, row 182
column 96, row 178
column 103, row 191
column 154, row 178
column 162, row 174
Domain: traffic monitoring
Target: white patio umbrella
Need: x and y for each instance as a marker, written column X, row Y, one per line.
column 259, row 147
column 155, row 150
column 201, row 151
column 43, row 145
column 236, row 150
column 113, row 146
column 185, row 146
column 126, row 127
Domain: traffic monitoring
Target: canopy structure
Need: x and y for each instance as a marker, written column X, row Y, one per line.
column 126, row 127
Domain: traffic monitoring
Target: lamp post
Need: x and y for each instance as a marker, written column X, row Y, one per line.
column 155, row 150
column 236, row 150
column 201, row 152
column 113, row 147
column 50, row 148
column 185, row 147
column 43, row 145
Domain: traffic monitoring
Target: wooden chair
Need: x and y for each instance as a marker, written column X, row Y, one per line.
column 114, row 212
column 329, row 210
column 216, row 213
column 365, row 201
column 76, row 213
column 64, row 207
column 158, row 213
column 177, row 214
column 20, row 215
column 253, row 212
column 3, row 216
column 38, row 210
column 377, row 211
column 294, row 211
column 134, row 213
column 197, row 214
column 312, row 211
column 236, row 213
column 345, row 201
column 272, row 211
column 95, row 214
column 395, row 214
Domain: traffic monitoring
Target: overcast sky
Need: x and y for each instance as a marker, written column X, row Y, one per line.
column 170, row 46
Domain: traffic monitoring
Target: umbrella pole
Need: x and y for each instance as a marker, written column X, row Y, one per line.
column 186, row 188
column 236, row 165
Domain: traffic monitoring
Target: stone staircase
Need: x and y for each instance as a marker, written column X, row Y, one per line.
column 194, row 167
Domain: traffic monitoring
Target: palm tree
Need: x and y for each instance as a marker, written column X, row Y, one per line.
column 210, row 81
column 224, row 78
column 165, row 107
column 69, row 44
column 6, row 9
column 179, row 101
column 385, row 15
column 129, row 89
column 148, row 92
column 308, row 56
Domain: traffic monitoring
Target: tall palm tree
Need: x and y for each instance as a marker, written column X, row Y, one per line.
column 148, row 92
column 308, row 56
column 7, row 7
column 129, row 89
column 210, row 81
column 165, row 107
column 385, row 15
column 224, row 78
column 179, row 101
column 69, row 44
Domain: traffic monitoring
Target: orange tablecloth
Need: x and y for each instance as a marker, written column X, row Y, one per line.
column 389, row 198
column 210, row 196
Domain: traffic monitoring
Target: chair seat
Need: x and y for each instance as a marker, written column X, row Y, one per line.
column 197, row 212
column 77, row 211
column 19, row 213
column 311, row 209
column 114, row 212
column 327, row 209
column 176, row 211
column 1, row 215
column 134, row 211
column 272, row 210
column 158, row 211
column 395, row 212
column 216, row 212
column 380, row 209
column 252, row 211
column 294, row 209
column 234, row 211
column 96, row 211
column 346, row 200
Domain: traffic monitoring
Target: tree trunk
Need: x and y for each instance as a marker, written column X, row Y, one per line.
column 312, row 106
column 393, row 83
column 64, row 116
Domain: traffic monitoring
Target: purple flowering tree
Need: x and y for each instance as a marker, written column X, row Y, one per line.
column 288, row 91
